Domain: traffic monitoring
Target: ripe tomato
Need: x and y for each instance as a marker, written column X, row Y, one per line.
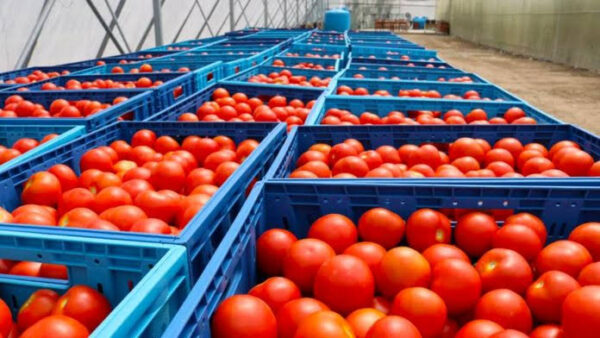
column 588, row 235
column 65, row 175
column 276, row 292
column 441, row 251
column 547, row 331
column 96, row 159
column 293, row 312
column 393, row 327
column 506, row 308
column 303, row 260
column 546, row 295
column 37, row 306
column 415, row 271
column 42, row 188
column 465, row 146
column 564, row 255
column 56, row 326
column 324, row 324
column 511, row 144
column 362, row 320
column 243, row 316
column 457, row 283
column 151, row 225
column 136, row 186
column 530, row 221
column 581, row 312
column 423, row 307
column 78, row 217
column 26, row 268
column 426, row 227
column 143, row 137
column 519, row 238
column 213, row 160
column 111, row 197
column 504, row 268
column 6, row 323
column 371, row 253
column 84, row 304
column 75, row 198
column 336, row 230
column 345, row 283
column 352, row 165
column 590, row 275
column 168, row 175
column 474, row 233
column 57, row 271
column 123, row 216
column 479, row 328
column 158, row 204
column 271, row 248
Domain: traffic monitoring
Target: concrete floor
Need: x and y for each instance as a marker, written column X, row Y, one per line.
column 569, row 94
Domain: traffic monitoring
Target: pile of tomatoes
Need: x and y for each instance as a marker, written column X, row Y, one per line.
column 32, row 269
column 432, row 94
column 287, row 77
column 153, row 184
column 385, row 277
column 47, row 314
column 142, row 82
column 513, row 115
column 239, row 108
column 34, row 76
column 302, row 65
column 465, row 157
column 22, row 146
column 463, row 79
column 314, row 55
column 17, row 106
column 146, row 68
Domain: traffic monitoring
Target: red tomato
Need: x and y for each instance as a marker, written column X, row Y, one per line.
column 336, row 230
column 588, row 235
column 26, row 268
column 504, row 268
column 457, row 283
column 546, row 295
column 345, row 283
column 135, row 187
column 581, row 312
column 57, row 271
column 42, row 188
column 510, row 333
column 151, row 225
column 391, row 279
column 474, row 233
column 590, row 275
column 511, row 144
column 293, row 312
column 423, row 307
column 96, row 159
column 123, row 216
column 303, row 260
column 78, row 217
column 158, row 204
column 564, row 255
column 323, row 324
column 426, row 227
column 37, row 306
column 519, row 238
column 546, row 331
column 393, row 327
column 84, row 304
column 531, row 221
column 506, row 308
column 168, row 175
column 111, row 197
column 362, row 320
column 381, row 226
column 143, row 137
column 479, row 328
column 371, row 253
column 6, row 323
column 75, row 198
column 56, row 326
column 276, row 292
column 271, row 248
column 465, row 146
column 352, row 165
column 243, row 316
column 441, row 251
column 67, row 177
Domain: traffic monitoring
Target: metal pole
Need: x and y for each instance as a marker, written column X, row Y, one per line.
column 25, row 56
column 266, row 13
column 231, row 18
column 116, row 20
column 110, row 26
column 147, row 31
column 187, row 17
column 285, row 14
column 305, row 11
column 106, row 28
column 158, row 34
column 206, row 25
column 297, row 13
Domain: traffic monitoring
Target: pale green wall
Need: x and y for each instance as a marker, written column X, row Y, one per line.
column 564, row 31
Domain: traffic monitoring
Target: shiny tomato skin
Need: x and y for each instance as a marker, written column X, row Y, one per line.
column 423, row 307
column 243, row 316
column 581, row 313
column 362, row 320
column 547, row 331
column 57, row 271
column 75, row 198
column 590, row 274
column 168, row 175
column 84, row 304
column 37, row 306
column 381, row 226
column 67, row 177
column 324, row 324
column 457, row 283
column 42, row 188
column 56, row 326
column 530, row 221
column 158, row 204
column 151, row 225
column 426, row 227
column 415, row 272
column 519, row 238
column 336, row 230
column 546, row 295
column 506, row 308
column 564, row 255
column 474, row 233
column 393, row 327
column 123, row 216
column 303, row 260
column 370, row 252
column 271, row 248
column 588, row 235
column 26, row 268
column 441, row 251
column 293, row 312
column 479, row 328
column 276, row 292
column 504, row 268
column 6, row 323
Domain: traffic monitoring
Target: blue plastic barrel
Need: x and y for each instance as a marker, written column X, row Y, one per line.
column 337, row 20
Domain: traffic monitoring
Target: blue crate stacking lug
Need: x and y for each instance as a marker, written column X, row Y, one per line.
column 301, row 138
column 291, row 61
column 145, row 283
column 206, row 229
column 383, row 105
column 138, row 106
column 295, row 206
column 266, row 70
column 404, row 73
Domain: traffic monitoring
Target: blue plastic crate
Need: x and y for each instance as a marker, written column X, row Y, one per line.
column 404, row 73
column 186, row 45
column 232, row 64
column 11, row 75
column 11, row 131
column 485, row 90
column 145, row 283
column 383, row 105
column 140, row 106
column 392, row 53
column 397, row 44
column 192, row 103
column 296, row 205
column 159, row 65
column 206, row 229
column 291, row 61
column 317, row 48
column 358, row 61
column 301, row 138
column 309, row 73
